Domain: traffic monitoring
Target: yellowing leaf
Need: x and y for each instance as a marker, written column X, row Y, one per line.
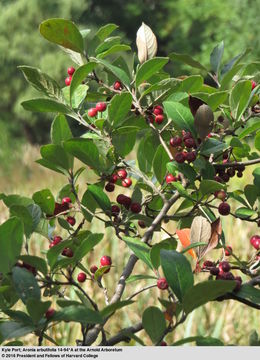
column 184, row 236
column 146, row 43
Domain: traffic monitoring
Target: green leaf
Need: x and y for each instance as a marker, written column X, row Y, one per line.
column 239, row 98
column 212, row 146
column 78, row 97
column 249, row 293
column 45, row 105
column 11, row 200
column 86, row 245
column 12, row 329
column 216, row 57
column 56, row 250
column 216, row 99
column 149, row 68
column 256, row 174
column 250, row 129
column 36, row 262
column 186, row 169
column 204, row 292
column 191, row 84
column 110, row 309
column 100, row 197
column 105, row 31
column 119, row 107
column 42, row 82
column 257, row 141
column 192, row 246
column 154, row 323
column 145, row 152
column 116, row 71
column 101, row 271
column 140, row 249
column 124, row 139
column 11, row 240
column 37, row 309
column 133, row 278
column 57, row 155
column 244, row 213
column 79, row 314
column 210, row 186
column 84, row 150
column 180, row 116
column 160, row 160
column 24, row 215
column 114, row 49
column 200, row 341
column 188, row 60
column 64, row 33
column 45, row 200
column 25, row 284
column 60, row 130
column 251, row 193
column 177, row 271
column 36, row 214
column 168, row 244
column 80, row 74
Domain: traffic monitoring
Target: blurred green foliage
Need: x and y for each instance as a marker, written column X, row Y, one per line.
column 185, row 26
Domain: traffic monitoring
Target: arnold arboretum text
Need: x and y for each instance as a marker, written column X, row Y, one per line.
column 191, row 139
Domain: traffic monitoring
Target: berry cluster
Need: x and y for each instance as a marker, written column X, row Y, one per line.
column 224, row 175
column 100, row 107
column 126, row 201
column 157, row 115
column 222, row 272
column 120, row 175
column 70, row 72
column 184, row 145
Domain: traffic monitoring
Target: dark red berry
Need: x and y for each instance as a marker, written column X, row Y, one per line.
column 190, row 156
column 110, row 187
column 186, row 135
column 136, row 208
column 253, row 84
column 68, row 80
column 141, row 223
column 66, row 200
column 176, row 141
column 113, row 178
column 179, row 157
column 224, row 209
column 224, row 266
column 105, row 261
column 214, row 271
column 71, row 220
column 81, row 277
column 255, row 241
column 127, row 182
column 101, row 106
column 122, row 174
column 225, row 177
column 218, row 179
column 124, row 200
column 57, row 239
column 228, row 251
column 207, row 264
column 189, row 143
column 150, row 119
column 49, row 313
column 67, row 252
column 220, row 194
column 158, row 110
column 117, row 85
column 228, row 276
column 115, row 210
column 71, row 70
column 159, row 119
column 93, row 269
column 162, row 284
column 92, row 112
column 163, row 343
column 170, row 178
column 231, row 172
column 240, row 174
